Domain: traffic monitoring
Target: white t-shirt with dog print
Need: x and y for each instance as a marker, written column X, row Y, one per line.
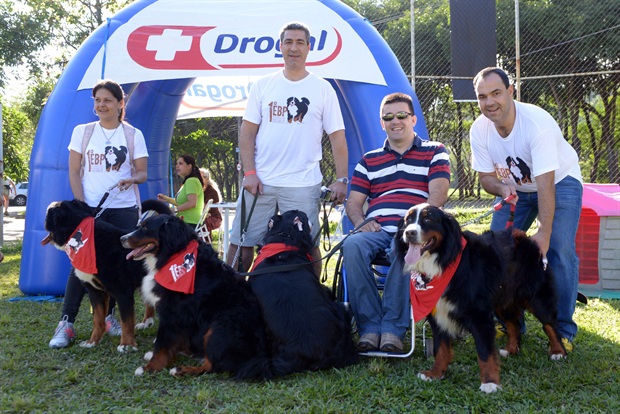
column 291, row 117
column 534, row 146
column 107, row 164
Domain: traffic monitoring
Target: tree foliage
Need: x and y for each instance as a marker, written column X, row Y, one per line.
column 212, row 141
column 17, row 134
column 24, row 31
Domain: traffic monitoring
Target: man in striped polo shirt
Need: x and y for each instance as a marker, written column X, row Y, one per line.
column 406, row 171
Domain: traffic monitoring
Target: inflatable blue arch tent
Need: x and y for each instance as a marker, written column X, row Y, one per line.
column 156, row 48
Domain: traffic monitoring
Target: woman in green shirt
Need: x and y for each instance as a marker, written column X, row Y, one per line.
column 190, row 198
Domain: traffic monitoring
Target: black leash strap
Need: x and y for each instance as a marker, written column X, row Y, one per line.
column 98, row 210
column 244, row 228
column 287, row 268
column 324, row 230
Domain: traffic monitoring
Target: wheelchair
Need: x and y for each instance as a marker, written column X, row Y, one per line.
column 379, row 267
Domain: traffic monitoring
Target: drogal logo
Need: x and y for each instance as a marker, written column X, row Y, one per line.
column 184, row 48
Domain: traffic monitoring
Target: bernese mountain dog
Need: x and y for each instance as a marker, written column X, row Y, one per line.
column 307, row 328
column 474, row 277
column 99, row 262
column 204, row 308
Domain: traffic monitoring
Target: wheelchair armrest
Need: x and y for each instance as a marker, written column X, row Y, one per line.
column 381, row 260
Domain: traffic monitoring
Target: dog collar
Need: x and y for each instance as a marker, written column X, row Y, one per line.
column 272, row 249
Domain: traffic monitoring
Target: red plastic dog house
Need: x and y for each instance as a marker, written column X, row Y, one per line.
column 598, row 241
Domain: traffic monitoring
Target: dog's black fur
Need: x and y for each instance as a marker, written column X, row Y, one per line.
column 116, row 276
column 499, row 272
column 220, row 322
column 307, row 329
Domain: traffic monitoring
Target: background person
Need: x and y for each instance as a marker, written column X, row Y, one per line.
column 211, row 192
column 7, row 184
column 91, row 175
column 280, row 145
column 547, row 180
column 405, row 172
column 189, row 200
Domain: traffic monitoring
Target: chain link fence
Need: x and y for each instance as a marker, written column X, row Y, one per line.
column 569, row 64
column 567, row 55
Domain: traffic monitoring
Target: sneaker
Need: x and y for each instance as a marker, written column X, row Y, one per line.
column 63, row 335
column 391, row 343
column 568, row 345
column 112, row 327
column 368, row 342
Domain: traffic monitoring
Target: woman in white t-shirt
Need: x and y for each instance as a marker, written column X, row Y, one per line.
column 109, row 154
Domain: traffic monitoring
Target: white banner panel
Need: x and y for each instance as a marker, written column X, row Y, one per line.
column 216, row 96
column 173, row 39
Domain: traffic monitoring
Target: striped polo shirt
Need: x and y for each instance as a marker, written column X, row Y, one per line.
column 395, row 182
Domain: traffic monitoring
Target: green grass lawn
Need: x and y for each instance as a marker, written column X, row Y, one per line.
column 37, row 379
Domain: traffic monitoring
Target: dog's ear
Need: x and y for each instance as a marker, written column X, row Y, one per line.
column 274, row 222
column 453, row 229
column 174, row 234
column 298, row 223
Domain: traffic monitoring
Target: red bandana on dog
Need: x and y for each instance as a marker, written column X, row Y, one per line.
column 81, row 247
column 425, row 294
column 179, row 272
column 272, row 249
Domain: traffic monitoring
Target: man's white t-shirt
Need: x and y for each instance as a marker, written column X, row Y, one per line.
column 107, row 164
column 291, row 117
column 534, row 146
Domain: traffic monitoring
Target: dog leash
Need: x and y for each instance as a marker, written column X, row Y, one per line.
column 509, row 222
column 244, row 227
column 324, row 230
column 496, row 207
column 100, row 208
column 286, row 268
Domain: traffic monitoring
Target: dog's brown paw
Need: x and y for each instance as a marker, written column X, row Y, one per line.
column 428, row 376
column 557, row 357
column 490, row 387
column 147, row 323
column 126, row 348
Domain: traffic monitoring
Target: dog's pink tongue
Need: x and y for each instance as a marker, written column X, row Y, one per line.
column 413, row 254
column 133, row 253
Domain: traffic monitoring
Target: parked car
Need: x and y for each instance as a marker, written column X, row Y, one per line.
column 19, row 197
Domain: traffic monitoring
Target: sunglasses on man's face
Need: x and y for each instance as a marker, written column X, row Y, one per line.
column 400, row 115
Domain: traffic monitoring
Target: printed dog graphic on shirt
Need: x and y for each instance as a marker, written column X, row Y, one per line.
column 297, row 109
column 519, row 170
column 115, row 157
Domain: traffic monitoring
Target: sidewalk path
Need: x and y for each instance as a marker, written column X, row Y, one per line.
column 13, row 224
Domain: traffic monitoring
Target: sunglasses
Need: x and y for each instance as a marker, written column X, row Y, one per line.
column 400, row 115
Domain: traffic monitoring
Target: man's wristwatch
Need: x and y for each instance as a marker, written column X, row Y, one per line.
column 344, row 180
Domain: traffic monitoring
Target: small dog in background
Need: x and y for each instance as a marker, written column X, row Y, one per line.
column 497, row 272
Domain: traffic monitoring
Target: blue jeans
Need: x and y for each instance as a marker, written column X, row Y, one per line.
column 372, row 314
column 562, row 254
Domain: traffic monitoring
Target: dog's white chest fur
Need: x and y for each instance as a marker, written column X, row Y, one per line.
column 88, row 278
column 444, row 320
column 148, row 282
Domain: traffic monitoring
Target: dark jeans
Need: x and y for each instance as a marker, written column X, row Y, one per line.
column 125, row 218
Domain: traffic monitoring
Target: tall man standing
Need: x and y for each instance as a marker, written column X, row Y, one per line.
column 518, row 149
column 280, row 146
